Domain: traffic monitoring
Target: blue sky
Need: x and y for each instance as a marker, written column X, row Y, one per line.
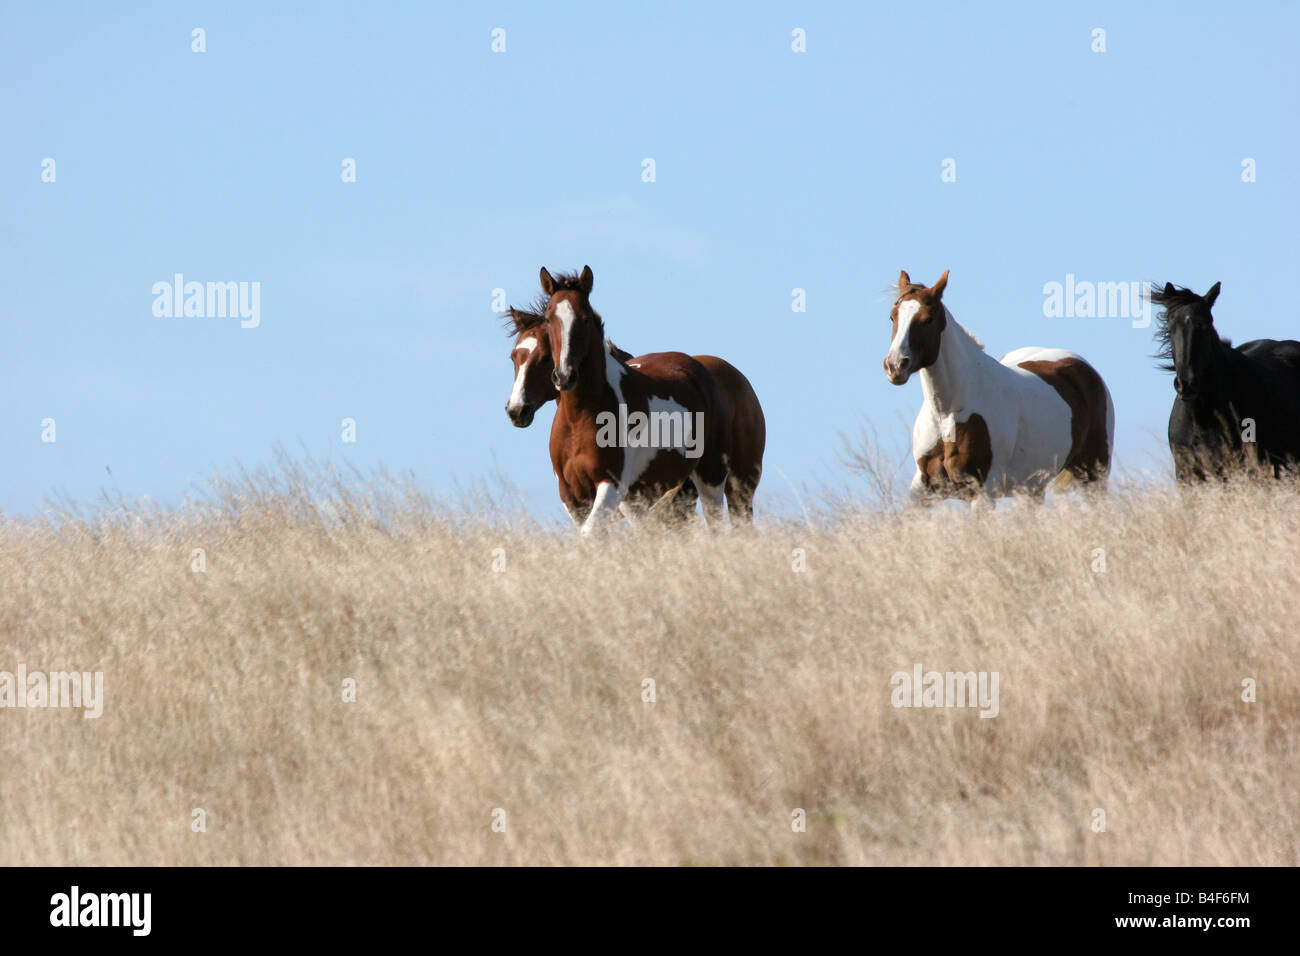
column 774, row 170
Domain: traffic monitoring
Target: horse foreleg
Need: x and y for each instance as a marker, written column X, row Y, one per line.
column 918, row 494
column 712, row 499
column 608, row 498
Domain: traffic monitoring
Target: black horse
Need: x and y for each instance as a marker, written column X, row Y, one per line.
column 1235, row 406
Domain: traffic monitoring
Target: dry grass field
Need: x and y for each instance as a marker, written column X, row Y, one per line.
column 521, row 689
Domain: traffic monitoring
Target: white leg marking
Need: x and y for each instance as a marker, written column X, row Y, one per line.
column 606, row 505
column 711, row 500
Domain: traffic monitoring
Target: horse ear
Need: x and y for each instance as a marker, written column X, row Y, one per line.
column 1210, row 296
column 904, row 281
column 585, row 280
column 548, row 284
column 1169, row 288
column 937, row 289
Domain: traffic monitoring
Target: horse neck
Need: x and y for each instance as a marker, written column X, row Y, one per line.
column 1217, row 392
column 947, row 383
column 1221, row 362
column 590, row 395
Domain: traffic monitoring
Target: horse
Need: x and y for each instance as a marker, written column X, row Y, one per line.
column 630, row 430
column 1233, row 406
column 746, row 442
column 533, row 388
column 1040, row 417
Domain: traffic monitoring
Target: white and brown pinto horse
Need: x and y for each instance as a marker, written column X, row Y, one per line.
column 717, row 444
column 531, row 356
column 989, row 428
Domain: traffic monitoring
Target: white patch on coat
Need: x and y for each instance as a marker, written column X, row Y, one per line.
column 1034, row 353
column 636, row 461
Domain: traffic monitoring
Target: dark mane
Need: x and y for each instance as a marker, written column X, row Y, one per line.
column 566, row 280
column 1171, row 302
column 518, row 321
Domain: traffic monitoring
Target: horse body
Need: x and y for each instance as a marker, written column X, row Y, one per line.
column 684, row 431
column 988, row 428
column 745, row 439
column 597, row 478
column 1226, row 393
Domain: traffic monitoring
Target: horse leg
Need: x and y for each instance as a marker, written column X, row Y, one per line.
column 683, row 504
column 577, row 509
column 740, row 498
column 608, row 498
column 982, row 497
column 918, row 495
column 712, row 498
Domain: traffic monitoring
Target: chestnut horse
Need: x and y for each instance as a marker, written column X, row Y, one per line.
column 989, row 428
column 630, row 430
column 533, row 388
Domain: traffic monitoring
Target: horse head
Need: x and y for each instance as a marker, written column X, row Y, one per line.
column 1188, row 341
column 573, row 326
column 918, row 319
column 531, row 355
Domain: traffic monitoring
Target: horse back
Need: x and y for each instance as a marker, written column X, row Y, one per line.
column 1282, row 355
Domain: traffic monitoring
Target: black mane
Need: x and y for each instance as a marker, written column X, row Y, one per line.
column 1171, row 301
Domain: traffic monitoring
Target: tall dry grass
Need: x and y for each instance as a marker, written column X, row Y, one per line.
column 522, row 689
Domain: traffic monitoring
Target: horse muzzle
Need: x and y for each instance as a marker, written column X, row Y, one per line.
column 898, row 370
column 521, row 416
column 564, row 381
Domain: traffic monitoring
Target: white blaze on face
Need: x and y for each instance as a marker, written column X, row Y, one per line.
column 564, row 312
column 517, row 393
column 898, row 349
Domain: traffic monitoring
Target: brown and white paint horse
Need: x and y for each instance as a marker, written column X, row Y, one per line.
column 989, row 428
column 595, row 381
column 533, row 388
